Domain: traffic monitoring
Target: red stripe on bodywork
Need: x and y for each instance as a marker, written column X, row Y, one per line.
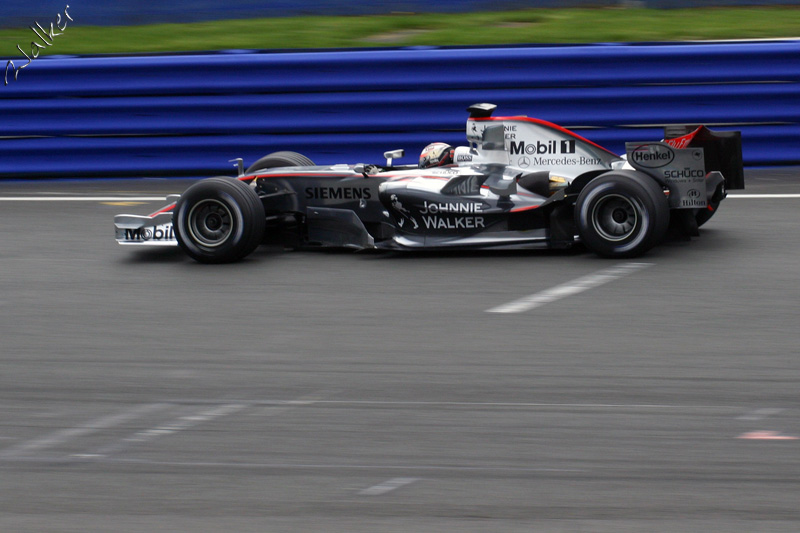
column 518, row 209
column 549, row 125
column 303, row 174
column 403, row 177
column 165, row 209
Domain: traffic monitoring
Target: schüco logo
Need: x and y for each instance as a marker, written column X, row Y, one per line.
column 653, row 155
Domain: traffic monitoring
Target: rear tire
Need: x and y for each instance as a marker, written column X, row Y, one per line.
column 219, row 220
column 280, row 159
column 621, row 214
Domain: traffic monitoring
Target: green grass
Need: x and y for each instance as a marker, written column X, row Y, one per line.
column 511, row 27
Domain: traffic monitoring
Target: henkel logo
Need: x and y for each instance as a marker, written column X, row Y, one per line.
column 652, row 155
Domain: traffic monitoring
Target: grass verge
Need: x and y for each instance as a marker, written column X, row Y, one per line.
column 431, row 29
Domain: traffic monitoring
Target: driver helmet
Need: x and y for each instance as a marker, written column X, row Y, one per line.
column 436, row 155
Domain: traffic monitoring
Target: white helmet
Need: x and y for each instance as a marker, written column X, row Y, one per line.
column 436, row 155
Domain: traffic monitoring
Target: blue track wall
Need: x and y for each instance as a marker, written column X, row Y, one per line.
column 188, row 115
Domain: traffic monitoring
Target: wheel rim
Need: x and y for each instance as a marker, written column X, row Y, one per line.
column 210, row 223
column 615, row 217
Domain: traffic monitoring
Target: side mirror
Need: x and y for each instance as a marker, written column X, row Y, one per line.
column 393, row 154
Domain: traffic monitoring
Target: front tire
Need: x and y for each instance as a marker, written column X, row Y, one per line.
column 219, row 220
column 621, row 215
column 280, row 159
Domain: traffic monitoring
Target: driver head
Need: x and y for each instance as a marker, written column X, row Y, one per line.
column 436, row 155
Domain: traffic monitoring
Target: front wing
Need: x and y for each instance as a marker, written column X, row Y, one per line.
column 150, row 230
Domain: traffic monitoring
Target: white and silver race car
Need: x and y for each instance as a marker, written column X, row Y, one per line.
column 519, row 183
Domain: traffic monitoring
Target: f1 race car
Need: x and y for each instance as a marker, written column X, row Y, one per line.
column 520, row 183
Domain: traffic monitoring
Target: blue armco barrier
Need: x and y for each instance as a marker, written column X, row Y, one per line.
column 189, row 114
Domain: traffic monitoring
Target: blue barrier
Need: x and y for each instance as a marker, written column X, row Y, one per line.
column 189, row 114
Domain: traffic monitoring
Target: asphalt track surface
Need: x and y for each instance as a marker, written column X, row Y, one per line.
column 344, row 392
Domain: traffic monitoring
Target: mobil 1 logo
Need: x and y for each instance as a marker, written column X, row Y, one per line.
column 552, row 147
column 682, row 170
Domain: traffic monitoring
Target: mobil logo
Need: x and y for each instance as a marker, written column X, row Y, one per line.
column 565, row 146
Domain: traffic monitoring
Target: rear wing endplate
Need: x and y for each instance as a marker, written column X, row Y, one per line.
column 722, row 150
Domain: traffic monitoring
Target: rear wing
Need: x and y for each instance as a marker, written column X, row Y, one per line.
column 722, row 150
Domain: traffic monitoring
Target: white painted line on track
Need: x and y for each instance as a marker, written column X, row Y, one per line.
column 295, row 466
column 481, row 405
column 64, row 435
column 516, row 405
column 278, row 408
column 751, row 196
column 388, row 486
column 569, row 288
column 182, row 423
column 83, row 198
column 760, row 414
column 206, row 414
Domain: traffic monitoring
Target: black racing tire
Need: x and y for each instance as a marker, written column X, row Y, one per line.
column 621, row 214
column 219, row 220
column 280, row 159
